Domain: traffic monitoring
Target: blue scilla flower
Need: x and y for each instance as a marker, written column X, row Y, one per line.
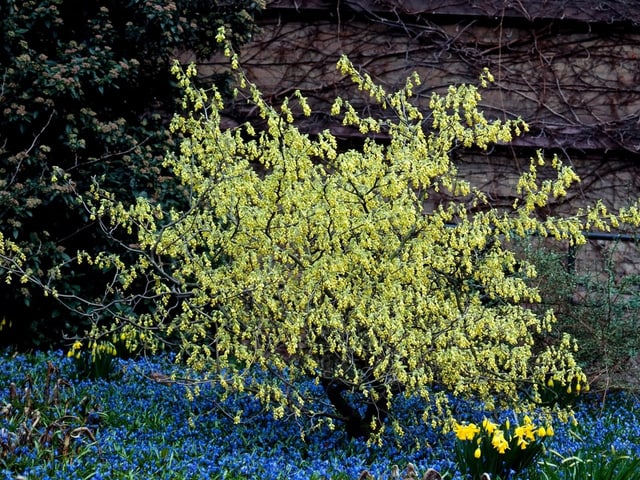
column 93, row 420
column 145, row 429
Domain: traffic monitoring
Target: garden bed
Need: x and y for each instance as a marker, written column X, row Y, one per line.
column 135, row 425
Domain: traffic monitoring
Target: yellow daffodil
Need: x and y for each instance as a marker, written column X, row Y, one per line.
column 499, row 442
column 466, row 432
column 489, row 426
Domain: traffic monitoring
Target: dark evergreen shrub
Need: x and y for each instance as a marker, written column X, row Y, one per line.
column 85, row 86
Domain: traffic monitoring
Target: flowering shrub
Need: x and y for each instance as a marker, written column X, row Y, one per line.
column 503, row 450
column 301, row 259
column 562, row 393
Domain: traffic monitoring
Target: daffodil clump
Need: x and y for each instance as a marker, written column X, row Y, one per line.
column 298, row 257
column 563, row 392
column 96, row 360
column 501, row 450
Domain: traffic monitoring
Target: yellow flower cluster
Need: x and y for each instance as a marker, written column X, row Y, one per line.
column 466, row 432
column 4, row 323
column 75, row 350
column 95, row 349
column 12, row 259
column 502, row 438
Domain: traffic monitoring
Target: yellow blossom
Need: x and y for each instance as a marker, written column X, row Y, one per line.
column 75, row 349
column 466, row 432
column 489, row 426
column 525, row 433
column 499, row 442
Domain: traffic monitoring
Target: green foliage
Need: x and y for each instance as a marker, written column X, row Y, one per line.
column 598, row 305
column 608, row 466
column 85, row 87
column 609, row 325
column 42, row 419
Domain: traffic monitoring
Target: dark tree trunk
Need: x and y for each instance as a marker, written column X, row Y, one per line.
column 356, row 425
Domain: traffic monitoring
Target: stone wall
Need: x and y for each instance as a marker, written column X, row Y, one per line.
column 577, row 83
column 570, row 69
